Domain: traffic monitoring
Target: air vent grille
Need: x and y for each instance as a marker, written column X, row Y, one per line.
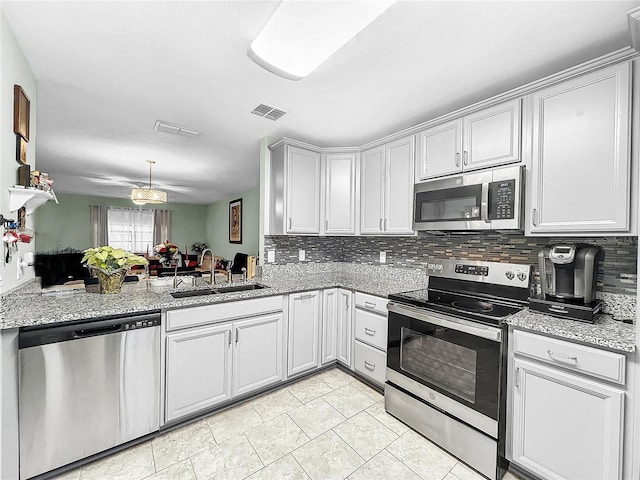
column 166, row 127
column 266, row 111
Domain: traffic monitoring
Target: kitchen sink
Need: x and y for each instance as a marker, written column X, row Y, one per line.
column 240, row 288
column 232, row 288
column 192, row 293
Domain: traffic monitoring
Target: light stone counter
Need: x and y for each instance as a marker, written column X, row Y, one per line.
column 28, row 306
column 605, row 332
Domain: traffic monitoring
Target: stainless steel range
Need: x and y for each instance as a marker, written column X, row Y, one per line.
column 446, row 355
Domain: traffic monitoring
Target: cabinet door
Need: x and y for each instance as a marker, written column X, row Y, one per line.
column 372, row 184
column 564, row 426
column 304, row 329
column 439, row 150
column 198, row 370
column 580, row 180
column 257, row 353
column 492, row 136
column 303, row 191
column 398, row 217
column 329, row 325
column 344, row 337
column 340, row 195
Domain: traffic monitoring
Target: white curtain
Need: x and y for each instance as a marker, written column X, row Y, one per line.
column 99, row 225
column 131, row 229
column 161, row 226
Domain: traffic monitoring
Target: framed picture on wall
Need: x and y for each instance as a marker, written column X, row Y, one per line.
column 21, row 106
column 235, row 221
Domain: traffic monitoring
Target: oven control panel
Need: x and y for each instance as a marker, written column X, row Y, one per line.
column 472, row 270
column 510, row 274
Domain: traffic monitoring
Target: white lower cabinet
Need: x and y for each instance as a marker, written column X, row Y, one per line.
column 370, row 337
column 207, row 365
column 198, row 370
column 303, row 333
column 336, row 339
column 344, row 320
column 257, row 353
column 565, row 426
column 329, row 338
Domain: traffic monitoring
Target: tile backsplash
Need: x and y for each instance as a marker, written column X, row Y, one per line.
column 617, row 273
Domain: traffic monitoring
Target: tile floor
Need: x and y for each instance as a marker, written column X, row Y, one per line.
column 329, row 426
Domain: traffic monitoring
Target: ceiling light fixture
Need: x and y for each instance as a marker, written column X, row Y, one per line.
column 299, row 36
column 143, row 195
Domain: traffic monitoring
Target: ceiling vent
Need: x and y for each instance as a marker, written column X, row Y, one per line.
column 266, row 111
column 165, row 127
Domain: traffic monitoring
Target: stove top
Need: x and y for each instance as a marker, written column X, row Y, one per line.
column 480, row 309
column 485, row 292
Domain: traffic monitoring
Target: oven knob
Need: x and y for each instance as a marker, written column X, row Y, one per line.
column 509, row 274
column 522, row 276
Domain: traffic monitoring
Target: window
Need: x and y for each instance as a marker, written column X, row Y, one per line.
column 130, row 229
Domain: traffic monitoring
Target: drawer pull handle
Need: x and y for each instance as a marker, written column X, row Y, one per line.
column 370, row 304
column 368, row 331
column 369, row 365
column 560, row 355
column 555, row 309
column 304, row 297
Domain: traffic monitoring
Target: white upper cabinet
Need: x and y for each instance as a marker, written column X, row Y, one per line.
column 303, row 191
column 294, row 185
column 439, row 150
column 386, row 188
column 580, row 166
column 372, row 177
column 398, row 197
column 482, row 139
column 492, row 136
column 340, row 194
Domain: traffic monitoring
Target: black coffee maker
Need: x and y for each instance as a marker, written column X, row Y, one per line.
column 568, row 276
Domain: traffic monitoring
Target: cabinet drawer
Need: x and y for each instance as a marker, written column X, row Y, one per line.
column 371, row 328
column 370, row 362
column 580, row 358
column 371, row 302
column 189, row 317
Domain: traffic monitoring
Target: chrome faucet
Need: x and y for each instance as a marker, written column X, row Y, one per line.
column 213, row 267
column 176, row 282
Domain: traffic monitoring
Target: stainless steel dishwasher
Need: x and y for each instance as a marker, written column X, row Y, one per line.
column 86, row 387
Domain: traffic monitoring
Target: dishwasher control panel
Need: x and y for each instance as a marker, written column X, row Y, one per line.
column 141, row 324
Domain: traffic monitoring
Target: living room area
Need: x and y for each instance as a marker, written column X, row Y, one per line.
column 172, row 236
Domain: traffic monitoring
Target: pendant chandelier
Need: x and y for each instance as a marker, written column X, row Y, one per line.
column 143, row 195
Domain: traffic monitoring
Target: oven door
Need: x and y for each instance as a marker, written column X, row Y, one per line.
column 449, row 362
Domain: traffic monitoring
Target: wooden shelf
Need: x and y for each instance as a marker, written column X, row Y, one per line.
column 31, row 198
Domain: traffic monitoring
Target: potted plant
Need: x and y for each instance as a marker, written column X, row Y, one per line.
column 111, row 266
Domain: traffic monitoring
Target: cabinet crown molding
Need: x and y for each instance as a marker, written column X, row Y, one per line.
column 618, row 56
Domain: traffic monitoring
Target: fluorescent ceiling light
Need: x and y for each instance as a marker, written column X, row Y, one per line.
column 300, row 35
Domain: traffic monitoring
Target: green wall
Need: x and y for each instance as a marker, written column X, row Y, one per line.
column 67, row 225
column 218, row 225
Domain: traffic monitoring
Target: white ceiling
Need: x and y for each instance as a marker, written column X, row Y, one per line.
column 107, row 70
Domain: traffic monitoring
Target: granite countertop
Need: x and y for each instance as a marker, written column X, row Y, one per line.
column 31, row 307
column 605, row 332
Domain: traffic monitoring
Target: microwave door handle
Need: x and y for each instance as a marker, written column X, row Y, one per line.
column 484, row 203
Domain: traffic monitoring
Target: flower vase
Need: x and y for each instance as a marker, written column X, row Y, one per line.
column 111, row 283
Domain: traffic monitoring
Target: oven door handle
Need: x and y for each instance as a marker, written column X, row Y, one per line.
column 472, row 328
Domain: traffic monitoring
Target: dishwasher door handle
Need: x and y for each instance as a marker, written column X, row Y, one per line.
column 90, row 332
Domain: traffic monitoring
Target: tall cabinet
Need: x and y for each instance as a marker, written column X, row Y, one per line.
column 580, row 159
column 386, row 188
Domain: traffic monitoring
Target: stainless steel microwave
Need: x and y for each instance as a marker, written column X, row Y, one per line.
column 484, row 200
